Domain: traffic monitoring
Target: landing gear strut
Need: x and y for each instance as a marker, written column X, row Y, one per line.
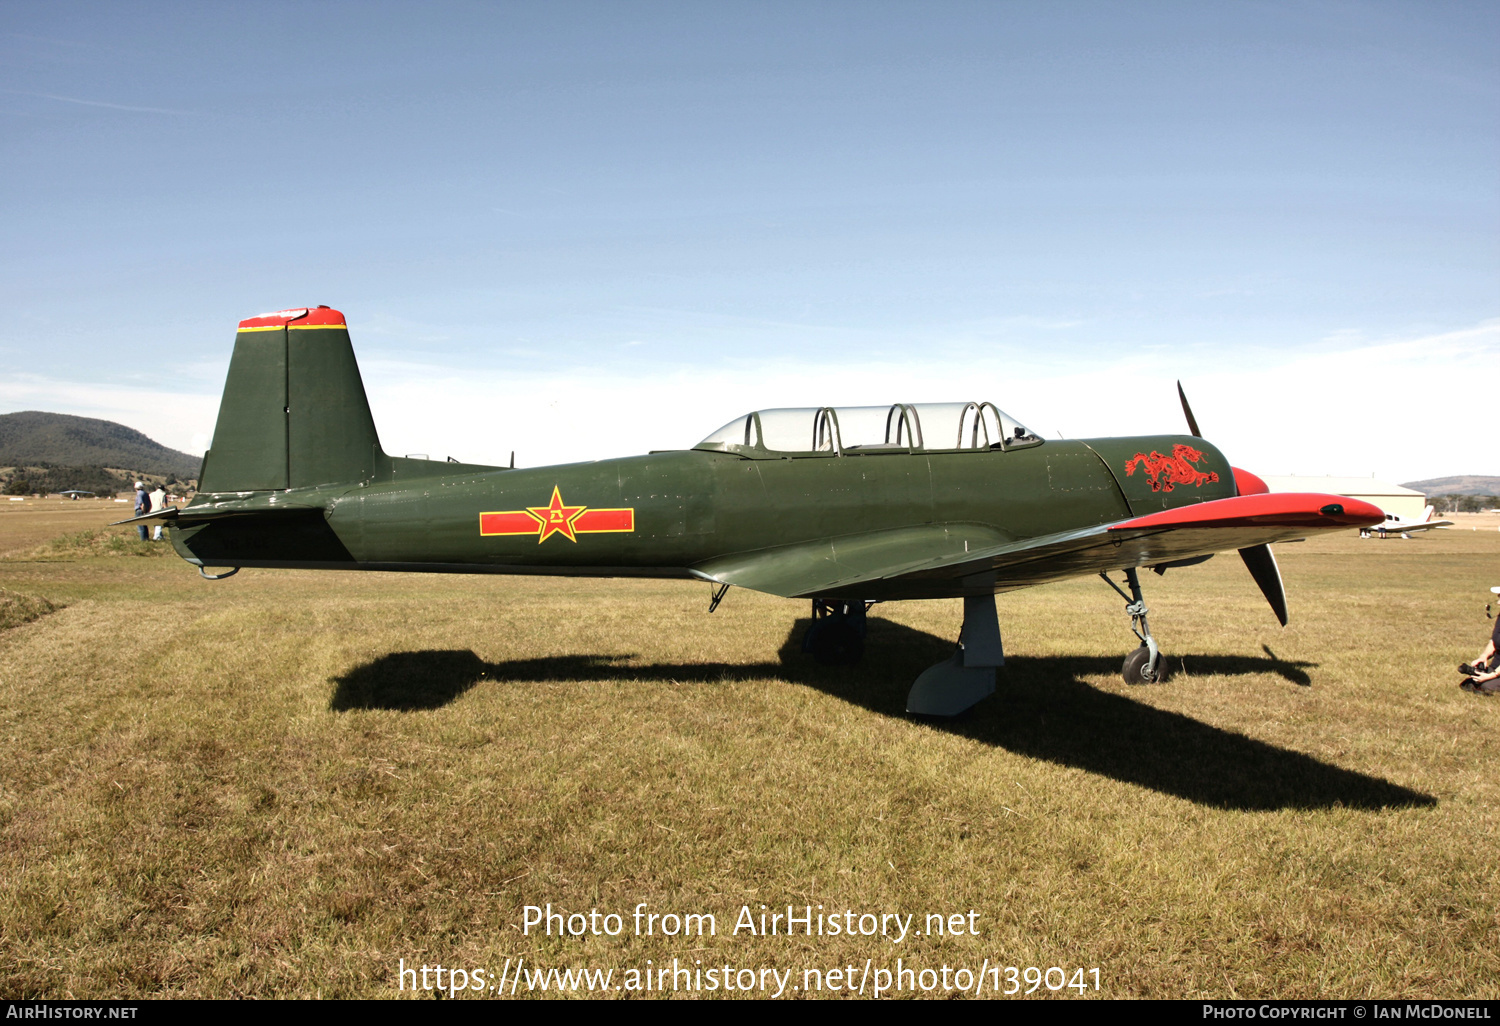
column 955, row 684
column 1143, row 666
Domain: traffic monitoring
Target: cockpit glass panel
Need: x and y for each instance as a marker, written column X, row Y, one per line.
column 876, row 427
column 942, row 423
column 933, row 426
column 789, row 430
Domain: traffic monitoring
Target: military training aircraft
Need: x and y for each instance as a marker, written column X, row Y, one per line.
column 842, row 506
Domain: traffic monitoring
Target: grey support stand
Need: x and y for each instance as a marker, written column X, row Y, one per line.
column 956, row 684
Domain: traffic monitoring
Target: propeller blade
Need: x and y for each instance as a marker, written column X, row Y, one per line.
column 1188, row 411
column 1262, row 567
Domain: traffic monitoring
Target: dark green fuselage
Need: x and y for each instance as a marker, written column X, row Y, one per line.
column 693, row 509
column 297, row 478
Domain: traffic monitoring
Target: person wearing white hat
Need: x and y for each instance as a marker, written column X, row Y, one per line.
column 1483, row 675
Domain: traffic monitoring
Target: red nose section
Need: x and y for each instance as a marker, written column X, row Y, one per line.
column 302, row 317
column 1248, row 483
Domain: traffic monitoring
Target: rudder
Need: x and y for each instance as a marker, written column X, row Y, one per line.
column 294, row 412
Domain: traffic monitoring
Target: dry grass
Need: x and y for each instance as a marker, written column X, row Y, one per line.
column 98, row 541
column 31, row 522
column 284, row 782
column 17, row 609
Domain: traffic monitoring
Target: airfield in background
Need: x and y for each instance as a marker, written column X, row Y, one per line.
column 284, row 782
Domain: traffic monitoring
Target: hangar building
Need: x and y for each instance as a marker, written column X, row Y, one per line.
column 1403, row 502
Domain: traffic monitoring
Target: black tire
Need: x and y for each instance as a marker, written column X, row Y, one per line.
column 1134, row 670
column 837, row 643
column 810, row 637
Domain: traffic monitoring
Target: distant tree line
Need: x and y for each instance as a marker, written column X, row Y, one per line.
column 1463, row 503
column 45, row 478
column 32, row 438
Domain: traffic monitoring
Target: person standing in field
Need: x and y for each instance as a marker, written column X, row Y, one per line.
column 158, row 503
column 1484, row 672
column 142, row 506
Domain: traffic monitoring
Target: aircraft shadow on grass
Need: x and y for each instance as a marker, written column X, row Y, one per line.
column 1043, row 708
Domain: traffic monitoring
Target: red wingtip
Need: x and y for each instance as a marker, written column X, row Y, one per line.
column 303, row 317
column 1248, row 483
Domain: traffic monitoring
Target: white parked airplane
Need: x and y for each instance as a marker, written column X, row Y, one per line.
column 1405, row 528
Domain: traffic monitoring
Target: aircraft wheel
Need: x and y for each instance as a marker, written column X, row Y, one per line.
column 1134, row 670
column 837, row 643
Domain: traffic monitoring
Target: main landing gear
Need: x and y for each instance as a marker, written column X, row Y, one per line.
column 837, row 634
column 956, row 684
column 837, row 637
column 1144, row 665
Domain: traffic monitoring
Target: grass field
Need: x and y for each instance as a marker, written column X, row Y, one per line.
column 285, row 782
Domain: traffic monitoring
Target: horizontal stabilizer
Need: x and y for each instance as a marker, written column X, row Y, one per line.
column 168, row 514
column 234, row 506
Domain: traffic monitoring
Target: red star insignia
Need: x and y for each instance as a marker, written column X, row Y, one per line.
column 556, row 518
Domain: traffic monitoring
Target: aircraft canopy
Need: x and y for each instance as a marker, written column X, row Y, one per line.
column 902, row 427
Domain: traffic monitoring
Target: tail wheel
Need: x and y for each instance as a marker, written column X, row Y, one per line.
column 1134, row 670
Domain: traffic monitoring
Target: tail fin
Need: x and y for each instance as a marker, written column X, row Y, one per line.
column 1426, row 514
column 294, row 412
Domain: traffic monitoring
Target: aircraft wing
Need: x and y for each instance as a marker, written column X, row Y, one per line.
column 950, row 560
column 1425, row 525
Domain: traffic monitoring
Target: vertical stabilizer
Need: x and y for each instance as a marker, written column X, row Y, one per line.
column 294, row 412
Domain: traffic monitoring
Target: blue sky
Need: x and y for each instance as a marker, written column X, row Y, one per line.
column 542, row 219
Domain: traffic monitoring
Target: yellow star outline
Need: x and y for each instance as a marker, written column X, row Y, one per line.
column 556, row 518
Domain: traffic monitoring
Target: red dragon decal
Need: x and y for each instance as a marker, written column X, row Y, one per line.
column 1167, row 471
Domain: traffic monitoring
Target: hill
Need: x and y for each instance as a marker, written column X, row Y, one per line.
column 1462, row 484
column 34, row 438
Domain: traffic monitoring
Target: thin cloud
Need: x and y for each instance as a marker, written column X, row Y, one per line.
column 110, row 106
column 1343, row 412
column 1349, row 411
